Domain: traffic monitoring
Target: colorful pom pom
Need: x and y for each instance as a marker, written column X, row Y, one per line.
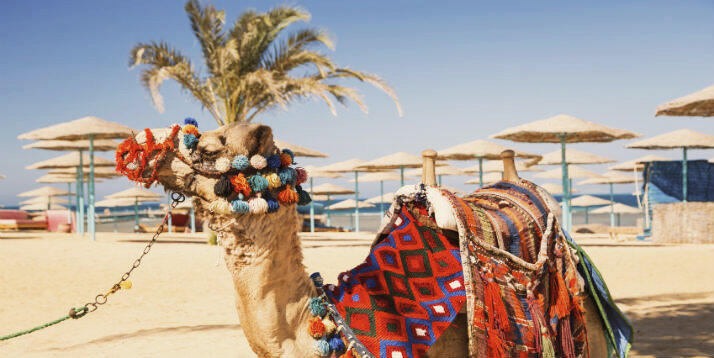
column 240, row 162
column 330, row 327
column 190, row 129
column 240, row 207
column 303, row 196
column 273, row 204
column 316, row 328
column 301, row 175
column 240, row 184
column 258, row 183
column 286, row 159
column 322, row 348
column 190, row 141
column 287, row 175
column 290, row 153
column 336, row 344
column 223, row 187
column 288, row 196
column 317, row 307
column 258, row 162
column 258, row 206
column 223, row 164
column 190, row 121
column 220, row 206
column 273, row 181
column 274, row 161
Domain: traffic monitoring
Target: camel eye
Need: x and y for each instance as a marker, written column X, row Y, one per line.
column 222, row 139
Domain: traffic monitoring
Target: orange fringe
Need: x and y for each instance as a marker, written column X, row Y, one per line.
column 288, row 196
column 559, row 296
column 240, row 184
column 499, row 325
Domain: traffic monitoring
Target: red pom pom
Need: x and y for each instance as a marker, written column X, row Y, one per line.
column 288, row 196
column 301, row 175
column 240, row 184
column 316, row 328
column 286, row 159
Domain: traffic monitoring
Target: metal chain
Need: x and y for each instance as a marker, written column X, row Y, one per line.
column 100, row 299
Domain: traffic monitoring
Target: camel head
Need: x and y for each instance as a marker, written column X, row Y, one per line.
column 205, row 168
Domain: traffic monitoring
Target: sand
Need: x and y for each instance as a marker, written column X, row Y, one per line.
column 182, row 302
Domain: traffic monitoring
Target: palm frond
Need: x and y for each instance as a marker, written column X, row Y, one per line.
column 207, row 25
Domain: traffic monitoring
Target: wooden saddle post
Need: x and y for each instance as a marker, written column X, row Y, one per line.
column 428, row 171
column 509, row 166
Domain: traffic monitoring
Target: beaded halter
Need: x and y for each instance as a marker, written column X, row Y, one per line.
column 254, row 185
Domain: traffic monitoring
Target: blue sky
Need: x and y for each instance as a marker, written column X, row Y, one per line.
column 462, row 70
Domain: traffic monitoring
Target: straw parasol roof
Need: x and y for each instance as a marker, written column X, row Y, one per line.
column 698, row 104
column 589, row 200
column 442, row 170
column 298, row 150
column 44, row 200
column 630, row 165
column 344, row 166
column 385, row 198
column 71, row 160
column 573, row 156
column 349, row 204
column 44, row 191
column 319, row 172
column 379, row 176
column 112, row 203
column 617, row 208
column 575, row 130
column 610, row 178
column 136, row 193
column 554, row 189
column 62, row 178
column 682, row 138
column 480, row 149
column 574, row 172
column 394, row 161
column 496, row 166
column 40, row 207
column 100, row 145
column 102, row 172
column 80, row 129
column 331, row 189
column 487, row 179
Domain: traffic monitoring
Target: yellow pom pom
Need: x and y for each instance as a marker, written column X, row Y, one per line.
column 273, row 181
column 125, row 285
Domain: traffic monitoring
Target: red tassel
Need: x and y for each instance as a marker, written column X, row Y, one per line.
column 559, row 297
column 538, row 324
column 566, row 338
column 498, row 319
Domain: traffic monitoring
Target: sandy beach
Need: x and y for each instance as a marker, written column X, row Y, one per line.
column 182, row 302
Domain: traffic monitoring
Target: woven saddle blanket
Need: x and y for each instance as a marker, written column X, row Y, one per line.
column 502, row 261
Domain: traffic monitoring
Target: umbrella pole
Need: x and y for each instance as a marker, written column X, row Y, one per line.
column 587, row 218
column 327, row 209
column 684, row 174
column 440, row 179
column 90, row 188
column 480, row 172
column 76, row 200
column 612, row 207
column 401, row 172
column 357, row 199
column 566, row 190
column 114, row 215
column 136, row 214
column 81, row 195
column 69, row 206
column 381, row 198
column 193, row 220
column 168, row 201
column 312, row 210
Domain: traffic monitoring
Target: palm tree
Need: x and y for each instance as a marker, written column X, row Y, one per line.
column 250, row 67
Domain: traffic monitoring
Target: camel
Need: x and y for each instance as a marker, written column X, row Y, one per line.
column 263, row 252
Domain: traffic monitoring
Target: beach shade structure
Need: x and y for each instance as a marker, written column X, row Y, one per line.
column 312, row 173
column 487, row 179
column 114, row 203
column 480, row 150
column 399, row 160
column 554, row 189
column 299, row 151
column 610, row 178
column 350, row 166
column 637, row 165
column 496, row 166
column 617, row 209
column 587, row 201
column 46, row 191
column 573, row 156
column 101, row 145
column 574, row 172
column 698, row 104
column 680, row 139
column 100, row 172
column 381, row 177
column 88, row 128
column 42, row 207
column 564, row 129
column 138, row 195
column 381, row 199
column 328, row 190
column 44, row 200
column 61, row 178
column 439, row 171
column 351, row 204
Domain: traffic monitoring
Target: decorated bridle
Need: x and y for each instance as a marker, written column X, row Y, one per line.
column 254, row 185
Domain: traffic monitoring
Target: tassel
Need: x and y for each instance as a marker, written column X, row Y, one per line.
column 559, row 297
column 240, row 184
column 273, row 181
column 566, row 338
column 288, row 196
column 498, row 319
column 548, row 349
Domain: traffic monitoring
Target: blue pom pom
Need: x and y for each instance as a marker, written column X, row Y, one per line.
column 274, row 161
column 287, row 175
column 258, row 183
column 191, row 121
column 317, row 307
column 322, row 348
column 317, row 279
column 288, row 151
column 336, row 344
column 240, row 207
column 190, row 141
column 273, row 204
column 240, row 162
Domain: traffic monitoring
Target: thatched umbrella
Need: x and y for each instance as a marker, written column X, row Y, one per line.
column 101, row 145
column 350, row 166
column 381, row 177
column 328, row 190
column 480, row 149
column 555, row 189
column 86, row 128
column 61, row 178
column 316, row 172
column 573, row 156
column 586, row 201
column 574, row 172
column 101, row 172
column 45, row 200
column 489, row 178
column 382, row 198
column 564, row 129
column 298, row 150
column 698, row 104
column 138, row 195
column 618, row 209
column 684, row 139
column 399, row 160
column 439, row 171
column 610, row 178
column 637, row 165
column 41, row 207
column 496, row 166
column 47, row 191
column 350, row 204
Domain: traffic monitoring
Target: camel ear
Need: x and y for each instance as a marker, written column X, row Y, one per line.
column 250, row 139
